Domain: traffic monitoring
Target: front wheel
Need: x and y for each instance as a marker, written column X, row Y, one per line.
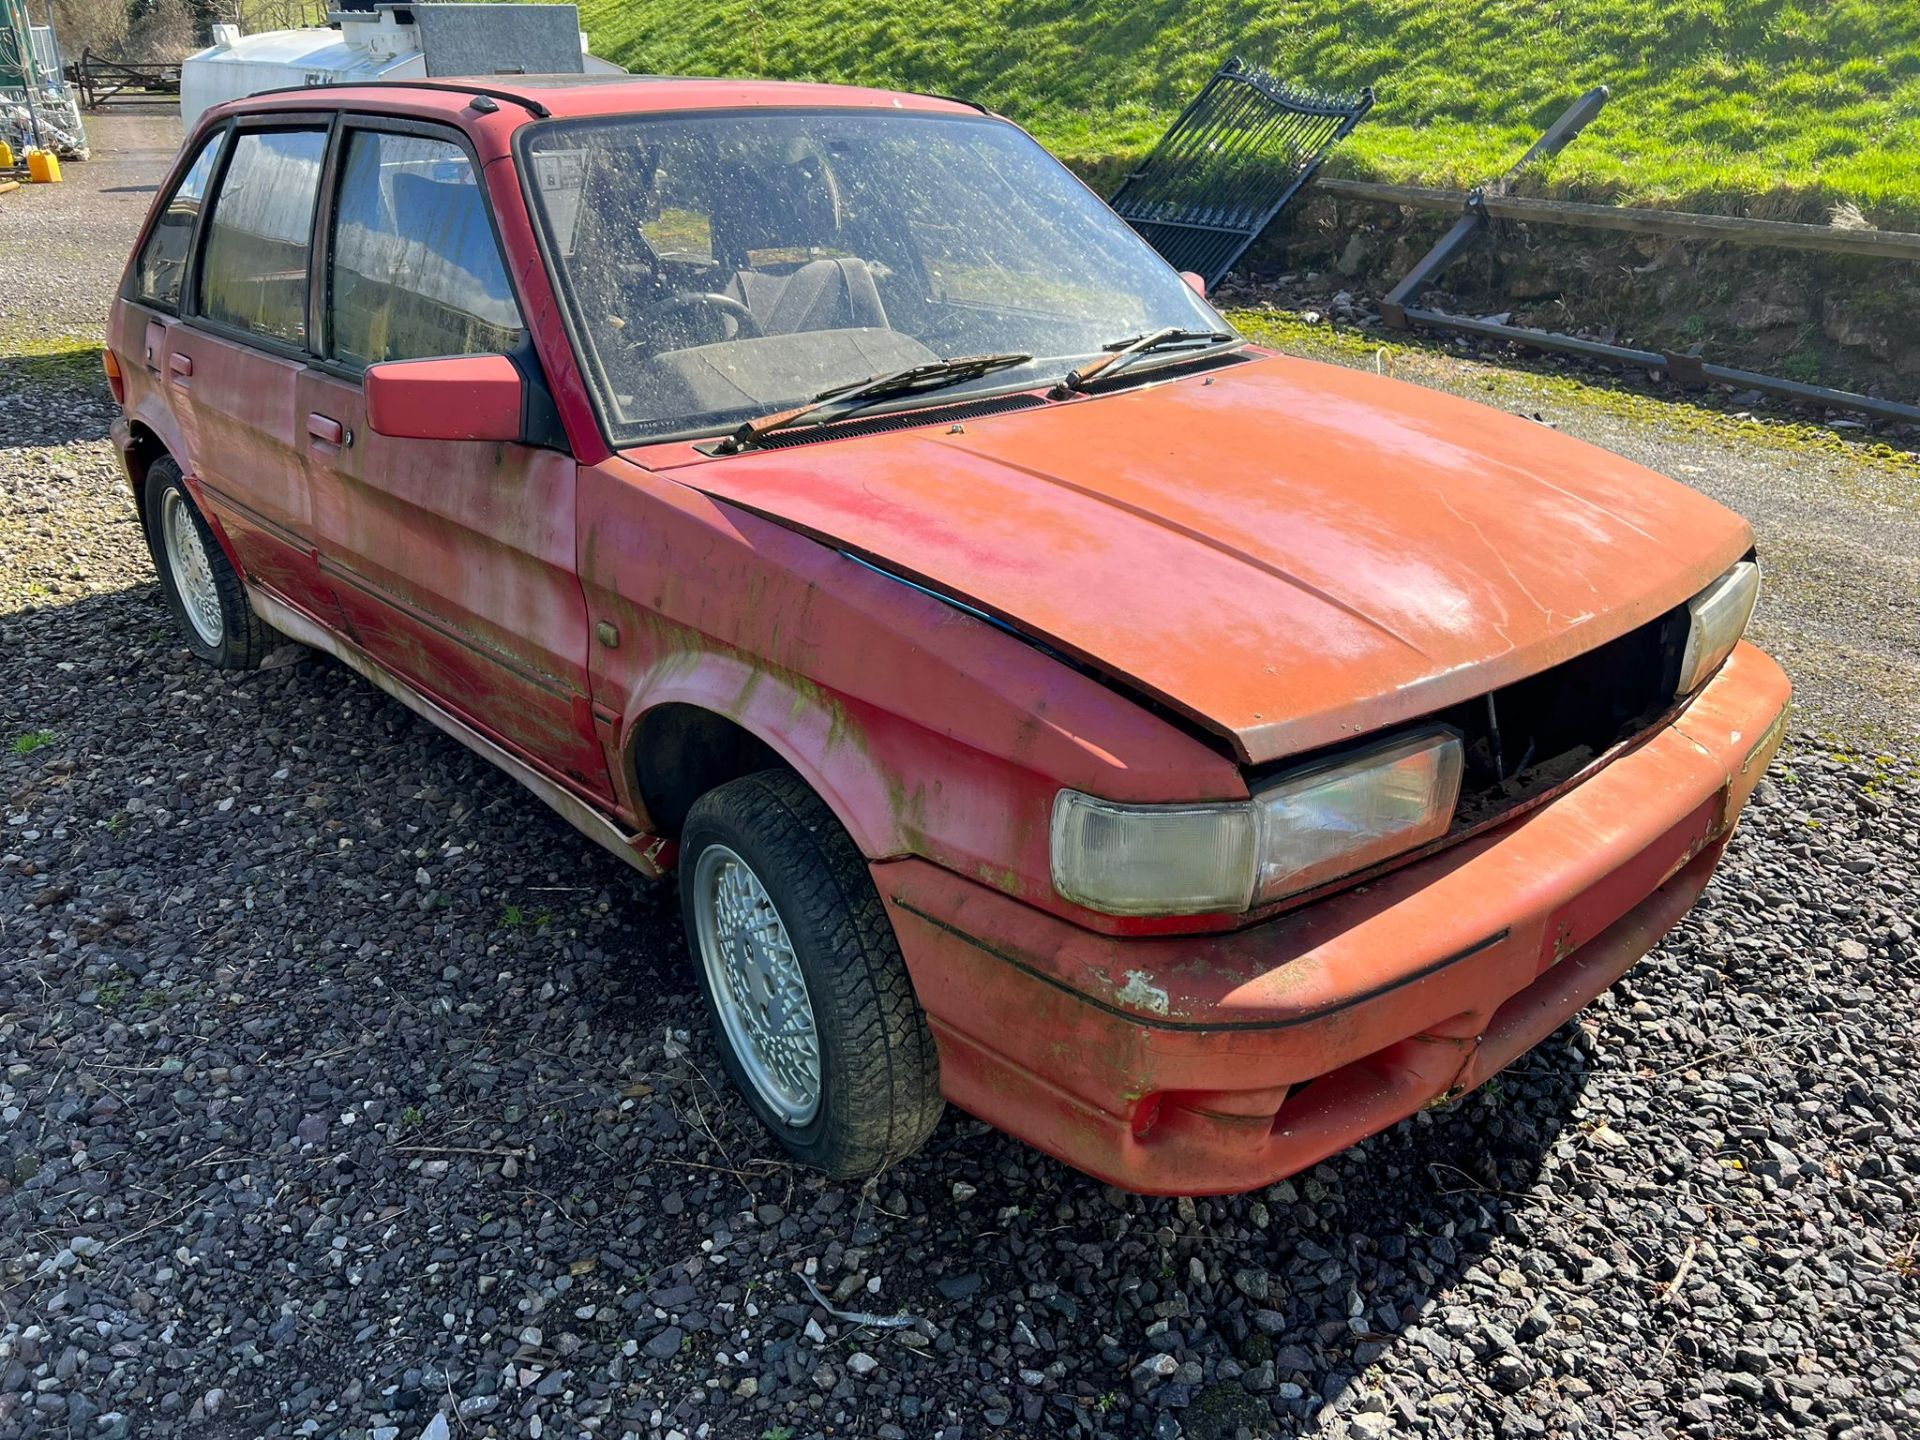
column 810, row 1000
column 208, row 602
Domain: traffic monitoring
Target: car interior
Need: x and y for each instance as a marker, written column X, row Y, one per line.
column 699, row 306
column 716, row 276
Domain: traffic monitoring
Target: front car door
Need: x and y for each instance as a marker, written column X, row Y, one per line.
column 452, row 561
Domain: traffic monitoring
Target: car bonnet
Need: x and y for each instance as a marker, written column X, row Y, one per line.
column 1287, row 553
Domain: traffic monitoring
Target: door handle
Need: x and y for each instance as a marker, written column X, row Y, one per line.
column 327, row 430
column 181, row 366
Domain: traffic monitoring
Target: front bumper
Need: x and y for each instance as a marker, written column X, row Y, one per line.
column 1210, row 1064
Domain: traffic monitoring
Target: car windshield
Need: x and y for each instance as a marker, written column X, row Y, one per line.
column 722, row 265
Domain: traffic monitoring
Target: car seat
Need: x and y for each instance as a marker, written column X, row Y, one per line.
column 790, row 210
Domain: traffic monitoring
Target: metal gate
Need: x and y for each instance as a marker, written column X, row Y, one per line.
column 1229, row 164
column 1238, row 153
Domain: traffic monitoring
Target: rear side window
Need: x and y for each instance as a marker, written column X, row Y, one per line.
column 163, row 259
column 254, row 274
column 415, row 270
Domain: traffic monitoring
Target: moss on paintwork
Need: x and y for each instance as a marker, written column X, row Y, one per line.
column 809, row 693
column 1000, row 877
column 908, row 806
column 743, row 702
column 676, row 649
column 679, row 650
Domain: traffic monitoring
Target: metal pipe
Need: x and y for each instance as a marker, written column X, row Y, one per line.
column 1686, row 367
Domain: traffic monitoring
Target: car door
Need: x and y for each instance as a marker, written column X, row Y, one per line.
column 152, row 303
column 232, row 366
column 452, row 561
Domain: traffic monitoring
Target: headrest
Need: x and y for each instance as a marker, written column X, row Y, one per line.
column 776, row 207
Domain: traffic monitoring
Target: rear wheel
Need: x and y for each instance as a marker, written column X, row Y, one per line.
column 809, row 997
column 208, row 602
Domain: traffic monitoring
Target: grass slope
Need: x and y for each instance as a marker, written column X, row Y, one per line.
column 1758, row 106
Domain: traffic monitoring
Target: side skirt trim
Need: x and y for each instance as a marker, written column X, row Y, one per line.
column 642, row 851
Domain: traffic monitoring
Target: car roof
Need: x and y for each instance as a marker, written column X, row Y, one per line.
column 451, row 98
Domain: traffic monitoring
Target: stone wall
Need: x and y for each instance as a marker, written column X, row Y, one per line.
column 1832, row 320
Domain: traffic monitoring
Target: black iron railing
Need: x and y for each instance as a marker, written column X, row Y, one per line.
column 1238, row 153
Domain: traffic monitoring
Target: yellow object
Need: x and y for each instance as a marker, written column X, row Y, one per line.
column 6, row 156
column 43, row 166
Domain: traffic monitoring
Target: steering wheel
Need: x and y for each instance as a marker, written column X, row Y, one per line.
column 699, row 308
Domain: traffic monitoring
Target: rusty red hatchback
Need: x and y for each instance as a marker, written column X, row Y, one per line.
column 1188, row 758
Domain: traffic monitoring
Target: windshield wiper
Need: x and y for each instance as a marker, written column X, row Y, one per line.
column 845, row 399
column 1122, row 353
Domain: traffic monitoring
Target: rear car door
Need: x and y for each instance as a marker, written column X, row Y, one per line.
column 151, row 305
column 232, row 367
column 452, row 560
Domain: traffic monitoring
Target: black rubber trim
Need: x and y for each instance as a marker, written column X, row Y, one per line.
column 1153, row 1023
column 445, row 87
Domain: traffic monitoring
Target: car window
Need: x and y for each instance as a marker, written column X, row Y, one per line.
column 1017, row 266
column 163, row 259
column 415, row 270
column 254, row 274
column 679, row 222
column 725, row 265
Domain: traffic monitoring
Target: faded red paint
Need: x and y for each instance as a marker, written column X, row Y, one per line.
column 1279, row 555
column 1378, row 546
column 461, row 397
column 1397, row 992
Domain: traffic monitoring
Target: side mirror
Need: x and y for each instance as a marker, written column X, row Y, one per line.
column 1196, row 282
column 461, row 397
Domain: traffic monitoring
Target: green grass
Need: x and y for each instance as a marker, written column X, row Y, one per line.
column 515, row 918
column 33, row 740
column 36, row 359
column 1771, row 107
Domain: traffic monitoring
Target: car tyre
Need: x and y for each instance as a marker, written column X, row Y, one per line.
column 794, row 953
column 208, row 602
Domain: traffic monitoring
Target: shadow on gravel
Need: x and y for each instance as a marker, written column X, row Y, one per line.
column 38, row 392
column 327, row 955
column 1321, row 1278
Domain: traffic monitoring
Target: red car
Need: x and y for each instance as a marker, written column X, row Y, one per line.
column 1188, row 758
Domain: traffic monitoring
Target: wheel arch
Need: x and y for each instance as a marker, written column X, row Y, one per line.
column 726, row 716
column 679, row 751
column 144, row 447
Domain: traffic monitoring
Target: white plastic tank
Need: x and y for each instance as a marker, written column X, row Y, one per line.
column 388, row 40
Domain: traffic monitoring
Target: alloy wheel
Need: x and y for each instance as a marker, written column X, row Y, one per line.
column 192, row 574
column 757, row 984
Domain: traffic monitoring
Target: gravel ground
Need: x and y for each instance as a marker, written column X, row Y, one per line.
column 62, row 246
column 344, row 1092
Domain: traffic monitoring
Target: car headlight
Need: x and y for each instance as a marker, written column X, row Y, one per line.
column 1716, row 619
column 1303, row 829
